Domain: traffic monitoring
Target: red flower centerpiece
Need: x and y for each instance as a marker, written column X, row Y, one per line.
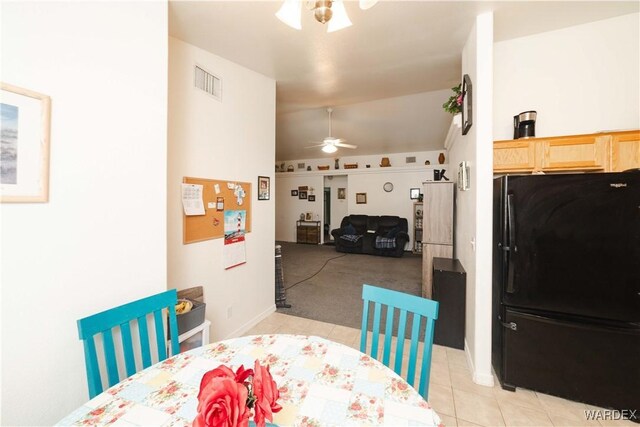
column 227, row 398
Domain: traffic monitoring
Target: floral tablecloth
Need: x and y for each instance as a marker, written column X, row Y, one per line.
column 321, row 383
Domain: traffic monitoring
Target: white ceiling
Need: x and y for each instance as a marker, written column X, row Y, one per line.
column 393, row 49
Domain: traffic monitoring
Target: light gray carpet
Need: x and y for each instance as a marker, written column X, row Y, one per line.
column 334, row 294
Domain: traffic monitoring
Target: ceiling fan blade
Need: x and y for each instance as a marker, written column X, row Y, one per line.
column 315, row 146
column 339, row 144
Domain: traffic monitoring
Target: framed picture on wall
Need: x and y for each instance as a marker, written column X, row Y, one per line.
column 311, row 198
column 361, row 198
column 294, row 193
column 342, row 193
column 467, row 110
column 302, row 195
column 24, row 163
column 414, row 193
column 264, row 188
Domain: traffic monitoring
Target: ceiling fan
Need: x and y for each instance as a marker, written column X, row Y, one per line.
column 331, row 144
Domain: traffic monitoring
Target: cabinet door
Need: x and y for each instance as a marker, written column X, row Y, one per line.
column 574, row 153
column 625, row 151
column 514, row 156
column 437, row 224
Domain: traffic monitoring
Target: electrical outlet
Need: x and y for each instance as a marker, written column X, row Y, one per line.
column 229, row 312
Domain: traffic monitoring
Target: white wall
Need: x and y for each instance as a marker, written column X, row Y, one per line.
column 100, row 240
column 581, row 79
column 289, row 208
column 229, row 140
column 473, row 232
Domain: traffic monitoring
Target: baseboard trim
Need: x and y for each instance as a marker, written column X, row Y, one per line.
column 478, row 378
column 252, row 322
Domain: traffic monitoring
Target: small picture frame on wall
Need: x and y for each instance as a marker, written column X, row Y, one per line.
column 302, row 195
column 264, row 188
column 414, row 193
column 467, row 104
column 342, row 193
column 361, row 198
column 294, row 193
column 311, row 198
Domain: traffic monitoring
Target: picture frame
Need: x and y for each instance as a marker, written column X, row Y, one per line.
column 311, row 198
column 264, row 188
column 414, row 193
column 294, row 193
column 302, row 195
column 308, row 216
column 25, row 124
column 361, row 198
column 342, row 193
column 467, row 104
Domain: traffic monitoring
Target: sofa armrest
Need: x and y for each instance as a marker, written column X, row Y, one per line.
column 402, row 237
column 337, row 232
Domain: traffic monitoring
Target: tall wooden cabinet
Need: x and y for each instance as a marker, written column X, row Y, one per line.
column 437, row 228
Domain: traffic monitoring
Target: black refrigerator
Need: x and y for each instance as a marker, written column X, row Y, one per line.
column 566, row 286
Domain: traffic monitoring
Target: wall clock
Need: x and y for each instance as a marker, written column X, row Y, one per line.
column 388, row 187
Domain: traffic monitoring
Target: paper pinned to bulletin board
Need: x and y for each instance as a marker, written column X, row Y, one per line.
column 234, row 253
column 218, row 196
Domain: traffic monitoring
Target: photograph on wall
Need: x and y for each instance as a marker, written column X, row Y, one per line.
column 24, row 145
column 311, row 198
column 294, row 193
column 234, row 251
column 264, row 188
column 302, row 195
column 361, row 198
column 342, row 193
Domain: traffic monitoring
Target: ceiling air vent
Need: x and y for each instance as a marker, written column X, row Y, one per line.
column 208, row 82
column 411, row 159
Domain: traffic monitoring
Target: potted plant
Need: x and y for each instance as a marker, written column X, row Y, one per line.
column 454, row 105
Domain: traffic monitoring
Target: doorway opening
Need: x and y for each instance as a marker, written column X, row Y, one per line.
column 327, row 214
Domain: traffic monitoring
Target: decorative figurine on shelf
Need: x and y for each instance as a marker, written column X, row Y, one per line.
column 385, row 162
column 290, row 168
column 337, row 165
column 441, row 158
column 308, row 168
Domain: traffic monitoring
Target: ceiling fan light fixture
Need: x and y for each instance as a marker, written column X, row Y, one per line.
column 329, row 149
column 291, row 13
column 340, row 18
column 322, row 11
column 367, row 4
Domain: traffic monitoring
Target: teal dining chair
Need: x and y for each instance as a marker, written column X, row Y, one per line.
column 405, row 303
column 122, row 317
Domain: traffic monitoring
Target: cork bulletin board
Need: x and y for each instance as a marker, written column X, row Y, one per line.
column 198, row 228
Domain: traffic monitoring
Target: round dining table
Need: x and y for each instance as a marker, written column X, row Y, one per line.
column 321, row 383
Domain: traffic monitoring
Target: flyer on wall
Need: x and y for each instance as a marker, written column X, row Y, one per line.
column 234, row 253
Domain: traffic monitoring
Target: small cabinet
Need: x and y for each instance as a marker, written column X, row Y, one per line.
column 625, row 151
column 574, row 153
column 308, row 232
column 418, row 214
column 514, row 156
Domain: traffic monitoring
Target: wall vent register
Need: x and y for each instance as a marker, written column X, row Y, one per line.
column 208, row 82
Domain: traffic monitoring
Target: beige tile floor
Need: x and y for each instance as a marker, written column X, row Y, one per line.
column 453, row 395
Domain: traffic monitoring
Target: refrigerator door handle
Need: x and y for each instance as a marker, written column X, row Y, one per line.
column 511, row 229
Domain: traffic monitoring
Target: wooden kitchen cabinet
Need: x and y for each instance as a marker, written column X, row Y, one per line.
column 601, row 152
column 625, row 151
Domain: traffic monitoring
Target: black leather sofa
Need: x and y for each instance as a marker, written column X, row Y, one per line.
column 374, row 235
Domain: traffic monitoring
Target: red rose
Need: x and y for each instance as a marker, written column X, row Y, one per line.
column 223, row 371
column 222, row 402
column 266, row 392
